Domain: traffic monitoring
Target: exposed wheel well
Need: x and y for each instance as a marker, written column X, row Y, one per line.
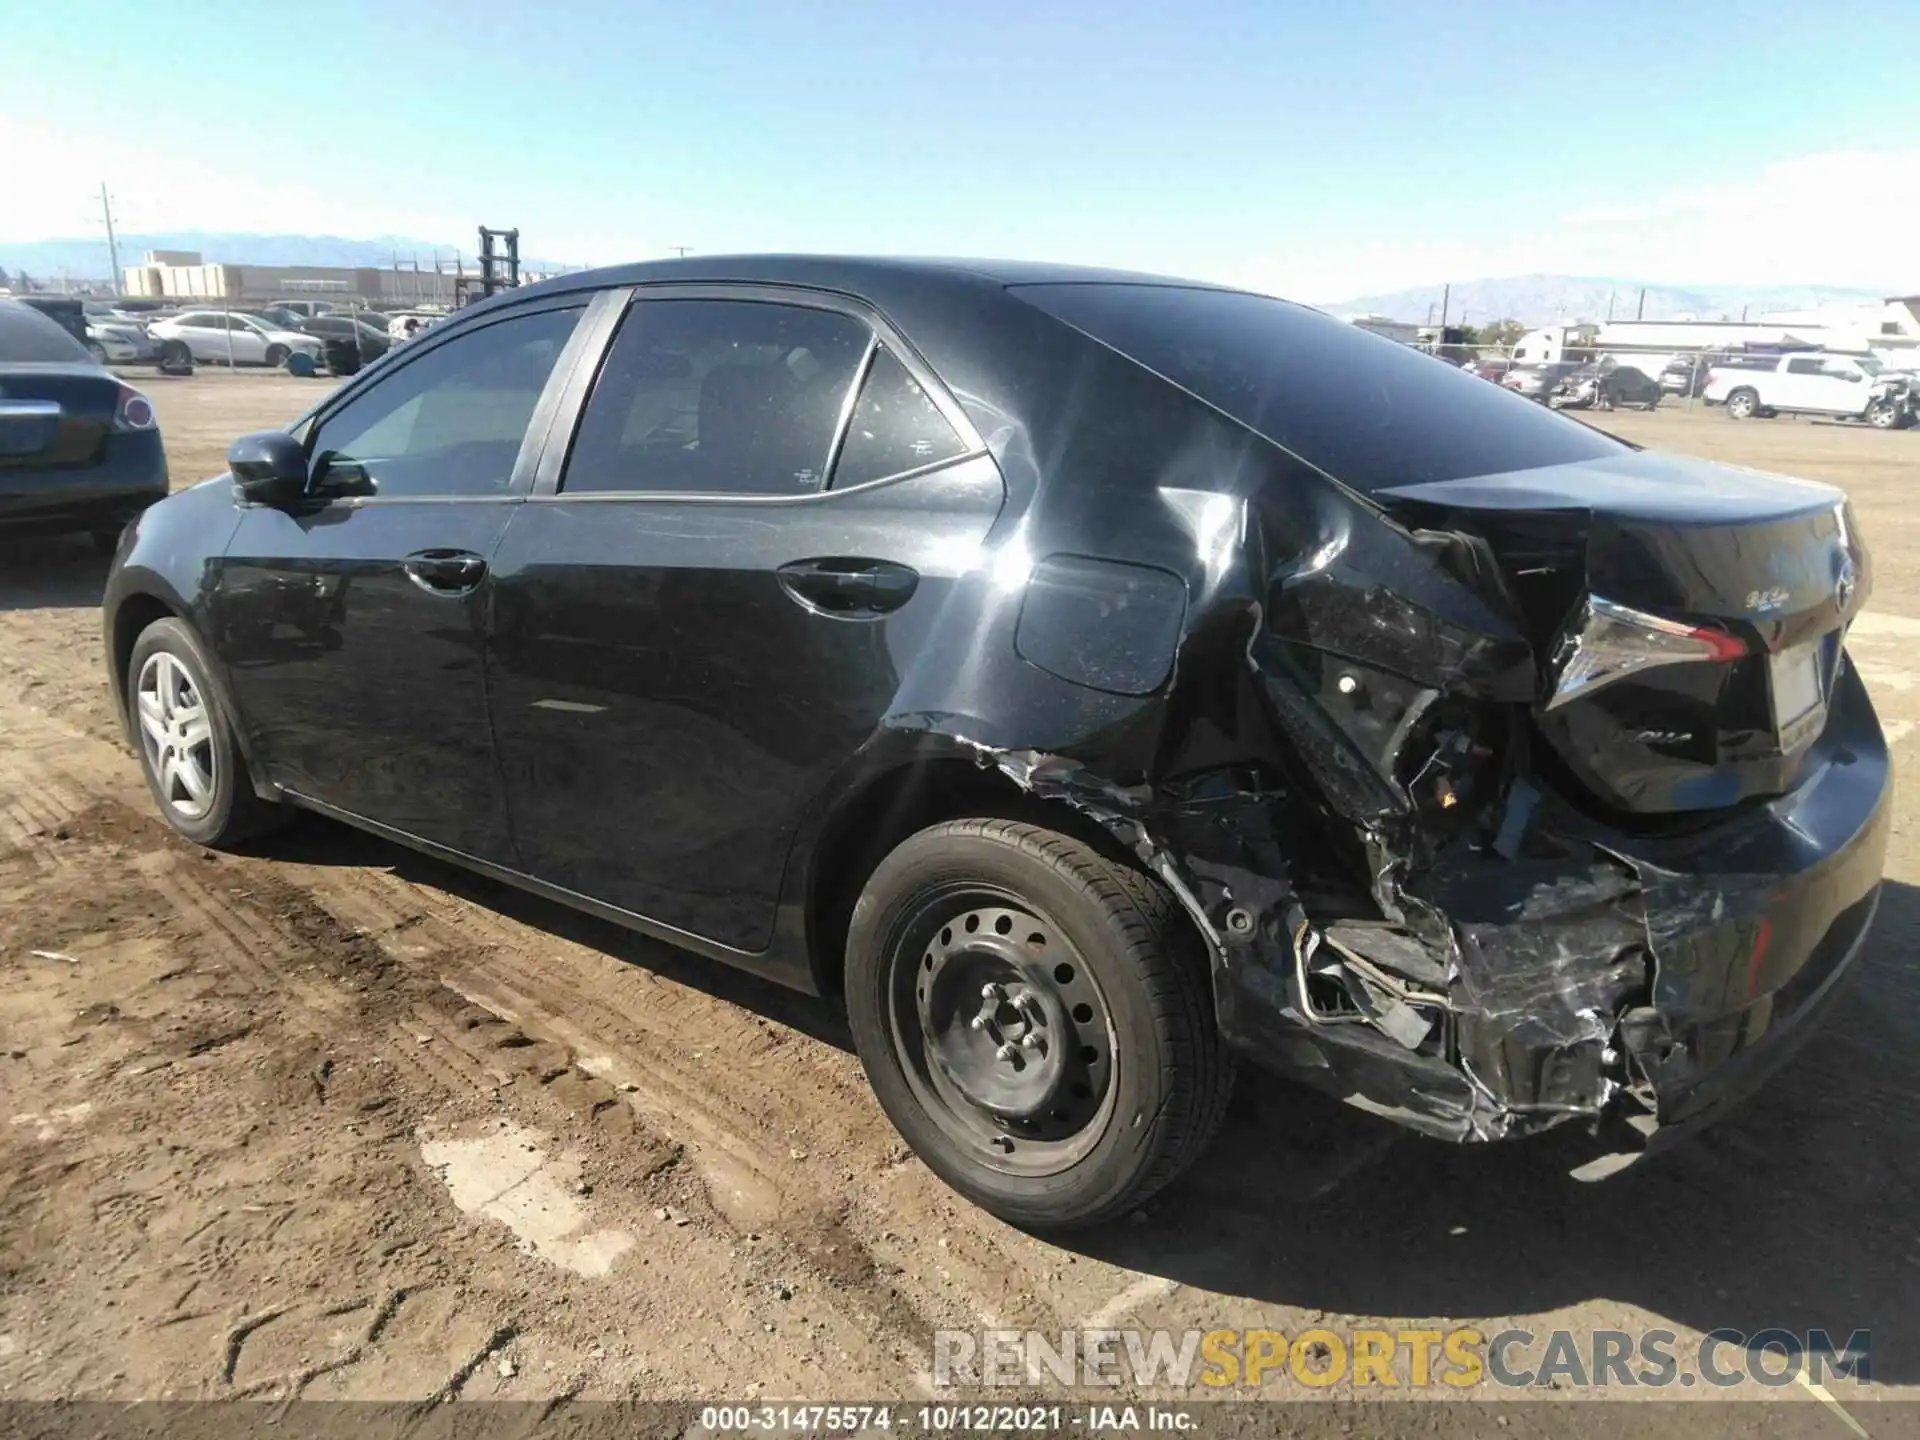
column 136, row 612
column 893, row 806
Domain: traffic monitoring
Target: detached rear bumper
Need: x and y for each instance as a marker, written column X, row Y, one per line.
column 1647, row 983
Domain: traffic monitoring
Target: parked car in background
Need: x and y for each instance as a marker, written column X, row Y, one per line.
column 214, row 336
column 371, row 342
column 79, row 448
column 118, row 342
column 406, row 324
column 1536, row 382
column 277, row 316
column 1604, row 385
column 1090, row 679
column 65, row 311
column 1853, row 387
column 113, row 313
column 1684, row 375
column 308, row 307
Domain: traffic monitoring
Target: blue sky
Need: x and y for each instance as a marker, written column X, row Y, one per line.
column 1318, row 150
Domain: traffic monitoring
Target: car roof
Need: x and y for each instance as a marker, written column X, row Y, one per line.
column 853, row 272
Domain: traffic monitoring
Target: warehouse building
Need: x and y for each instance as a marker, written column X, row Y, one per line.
column 183, row 275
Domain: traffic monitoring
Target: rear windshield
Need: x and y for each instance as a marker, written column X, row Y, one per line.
column 1368, row 411
column 28, row 337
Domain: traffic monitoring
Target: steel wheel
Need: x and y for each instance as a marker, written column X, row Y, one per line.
column 1002, row 1030
column 176, row 736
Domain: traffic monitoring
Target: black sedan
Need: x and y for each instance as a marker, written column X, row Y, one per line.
column 1604, row 386
column 367, row 340
column 1092, row 680
column 79, row 449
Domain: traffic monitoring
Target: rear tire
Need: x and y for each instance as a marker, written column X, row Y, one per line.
column 1036, row 1020
column 185, row 740
column 1743, row 404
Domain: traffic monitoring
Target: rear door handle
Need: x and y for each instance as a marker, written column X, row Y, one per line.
column 445, row 572
column 848, row 585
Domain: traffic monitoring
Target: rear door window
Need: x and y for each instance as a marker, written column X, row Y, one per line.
column 717, row 397
column 1370, row 412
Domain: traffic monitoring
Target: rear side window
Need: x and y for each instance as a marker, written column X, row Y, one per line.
column 27, row 337
column 1804, row 367
column 895, row 427
column 1369, row 412
column 709, row 397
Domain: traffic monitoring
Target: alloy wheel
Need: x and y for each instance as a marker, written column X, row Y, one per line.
column 176, row 735
column 1004, row 1034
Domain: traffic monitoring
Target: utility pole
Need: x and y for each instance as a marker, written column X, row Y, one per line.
column 680, row 251
column 1446, row 300
column 113, row 243
column 1640, row 310
column 1610, row 307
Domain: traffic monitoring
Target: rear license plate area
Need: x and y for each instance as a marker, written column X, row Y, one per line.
column 27, row 426
column 1798, row 680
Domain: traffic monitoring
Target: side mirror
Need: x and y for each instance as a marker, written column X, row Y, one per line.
column 268, row 467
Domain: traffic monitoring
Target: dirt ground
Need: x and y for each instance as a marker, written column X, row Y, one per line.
column 337, row 1121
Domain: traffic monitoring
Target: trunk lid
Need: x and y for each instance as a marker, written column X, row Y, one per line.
column 1688, row 616
column 55, row 416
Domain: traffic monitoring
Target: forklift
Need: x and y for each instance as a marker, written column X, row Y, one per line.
column 499, row 268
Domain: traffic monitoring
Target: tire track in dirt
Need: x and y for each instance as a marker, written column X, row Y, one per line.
column 566, row 1013
column 785, row 1141
column 772, row 1119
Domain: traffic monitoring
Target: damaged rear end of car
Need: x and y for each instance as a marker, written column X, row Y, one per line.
column 1512, row 776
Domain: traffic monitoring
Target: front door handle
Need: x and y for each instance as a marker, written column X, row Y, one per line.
column 445, row 572
column 848, row 585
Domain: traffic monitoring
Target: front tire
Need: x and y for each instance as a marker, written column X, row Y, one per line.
column 187, row 748
column 1036, row 1020
column 276, row 356
column 1743, row 404
column 97, row 351
column 1883, row 416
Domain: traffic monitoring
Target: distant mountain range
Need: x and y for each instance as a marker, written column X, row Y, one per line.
column 86, row 258
column 1533, row 299
column 1549, row 299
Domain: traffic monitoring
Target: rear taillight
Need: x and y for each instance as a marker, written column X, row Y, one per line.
column 134, row 412
column 1606, row 642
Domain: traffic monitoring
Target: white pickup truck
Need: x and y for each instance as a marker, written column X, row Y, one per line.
column 1855, row 387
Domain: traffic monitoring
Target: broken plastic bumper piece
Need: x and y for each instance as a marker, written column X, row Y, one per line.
column 1569, row 970
column 1654, row 978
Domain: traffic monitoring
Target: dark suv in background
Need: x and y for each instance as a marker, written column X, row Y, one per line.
column 1090, row 678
